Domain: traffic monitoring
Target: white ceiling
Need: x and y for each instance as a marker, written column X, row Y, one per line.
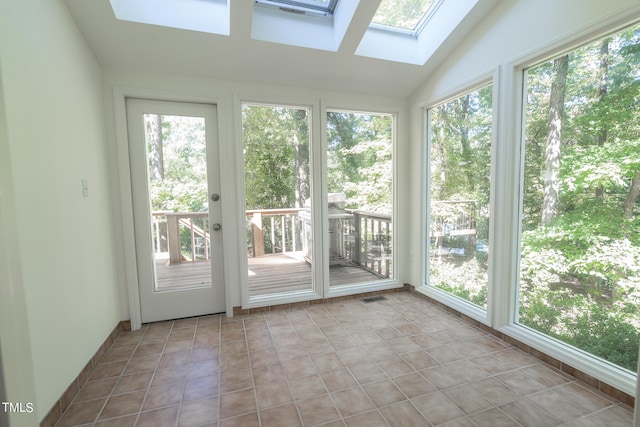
column 123, row 45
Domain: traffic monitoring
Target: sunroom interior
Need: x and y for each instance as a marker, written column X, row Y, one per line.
column 493, row 169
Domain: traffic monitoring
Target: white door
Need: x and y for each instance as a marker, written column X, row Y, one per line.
column 173, row 149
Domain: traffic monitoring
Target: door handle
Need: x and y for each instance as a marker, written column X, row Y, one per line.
column 216, row 227
column 215, row 197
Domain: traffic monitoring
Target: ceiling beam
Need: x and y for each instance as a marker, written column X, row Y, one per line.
column 359, row 23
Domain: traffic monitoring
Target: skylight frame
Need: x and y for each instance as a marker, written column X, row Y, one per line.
column 415, row 32
column 403, row 47
column 302, row 6
column 308, row 30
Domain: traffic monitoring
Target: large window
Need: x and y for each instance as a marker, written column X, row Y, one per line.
column 360, row 186
column 580, row 242
column 278, row 212
column 460, row 161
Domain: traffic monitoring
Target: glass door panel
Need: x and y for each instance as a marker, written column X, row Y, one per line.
column 177, row 182
column 278, row 213
column 360, row 199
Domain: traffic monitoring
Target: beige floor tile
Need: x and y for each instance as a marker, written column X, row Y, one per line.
column 413, row 385
column 133, row 382
column 81, row 412
column 352, row 401
column 317, row 410
column 305, row 387
column 201, row 387
column 122, row 404
column 436, row 408
column 280, row 416
column 384, row 393
column 96, row 389
column 198, row 412
column 338, row 379
column 273, row 394
column 528, row 414
column 402, row 414
column 163, row 396
column 164, row 417
column 401, row 361
column 237, row 403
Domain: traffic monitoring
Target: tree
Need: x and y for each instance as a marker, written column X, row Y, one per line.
column 554, row 139
column 154, row 136
column 580, row 280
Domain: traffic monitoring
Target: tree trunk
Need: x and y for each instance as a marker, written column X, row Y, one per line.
column 464, row 140
column 554, row 137
column 154, row 130
column 302, row 191
column 632, row 197
column 604, row 77
column 442, row 155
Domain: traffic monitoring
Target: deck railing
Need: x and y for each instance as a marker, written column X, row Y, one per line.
column 273, row 231
column 453, row 220
column 184, row 235
column 356, row 237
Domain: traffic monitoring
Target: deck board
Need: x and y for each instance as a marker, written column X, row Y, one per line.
column 267, row 274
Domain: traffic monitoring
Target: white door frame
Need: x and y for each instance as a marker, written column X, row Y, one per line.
column 195, row 300
column 127, row 260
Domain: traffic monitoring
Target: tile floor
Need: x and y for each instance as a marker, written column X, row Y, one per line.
column 399, row 362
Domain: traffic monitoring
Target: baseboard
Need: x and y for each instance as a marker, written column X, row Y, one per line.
column 237, row 311
column 65, row 400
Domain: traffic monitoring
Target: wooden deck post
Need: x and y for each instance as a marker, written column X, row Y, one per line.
column 258, row 234
column 173, row 239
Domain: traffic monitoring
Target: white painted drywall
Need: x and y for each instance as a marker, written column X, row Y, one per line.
column 15, row 347
column 53, row 103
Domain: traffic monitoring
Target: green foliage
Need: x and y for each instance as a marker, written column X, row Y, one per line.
column 183, row 188
column 460, row 156
column 276, row 145
column 359, row 160
column 401, row 13
column 466, row 279
column 580, row 276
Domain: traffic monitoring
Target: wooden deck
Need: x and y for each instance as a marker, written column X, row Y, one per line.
column 267, row 274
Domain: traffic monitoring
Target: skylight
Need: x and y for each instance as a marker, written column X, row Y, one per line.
column 411, row 31
column 323, row 7
column 407, row 15
column 308, row 26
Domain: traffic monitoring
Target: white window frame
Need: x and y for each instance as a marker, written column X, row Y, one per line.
column 507, row 319
column 472, row 310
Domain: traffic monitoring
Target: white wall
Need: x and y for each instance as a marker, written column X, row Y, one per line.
column 15, row 347
column 228, row 95
column 55, row 137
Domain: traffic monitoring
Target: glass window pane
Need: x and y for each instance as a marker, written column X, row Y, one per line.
column 460, row 159
column 360, row 182
column 278, row 198
column 177, row 174
column 404, row 14
column 580, row 253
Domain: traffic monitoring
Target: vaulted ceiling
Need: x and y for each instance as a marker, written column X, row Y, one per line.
column 132, row 46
